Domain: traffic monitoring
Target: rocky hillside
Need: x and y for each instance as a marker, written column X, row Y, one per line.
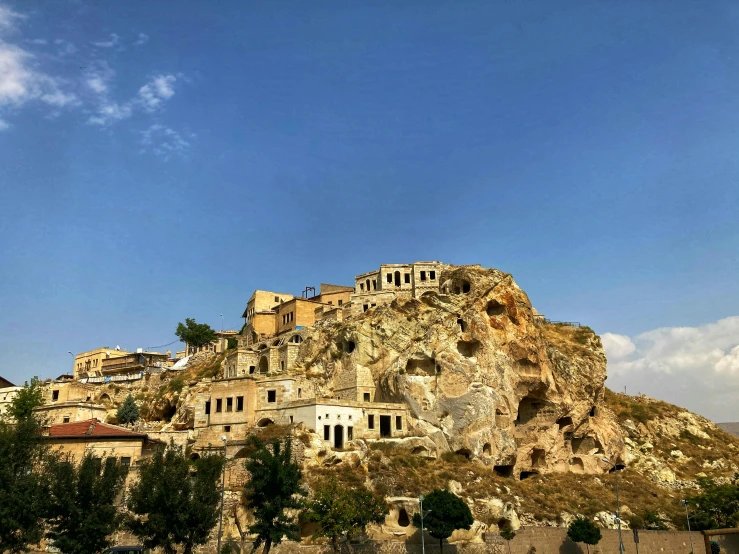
column 507, row 409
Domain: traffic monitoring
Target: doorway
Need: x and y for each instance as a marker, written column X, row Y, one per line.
column 385, row 426
column 397, row 278
column 338, row 437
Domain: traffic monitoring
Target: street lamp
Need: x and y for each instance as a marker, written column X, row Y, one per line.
column 423, row 544
column 621, row 548
column 684, row 503
column 223, row 491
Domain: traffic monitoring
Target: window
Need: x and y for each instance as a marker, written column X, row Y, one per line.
column 361, row 286
column 365, row 307
column 330, row 302
column 239, row 403
column 227, row 428
column 407, row 278
column 207, row 407
column 300, row 393
column 219, row 405
column 282, row 365
column 271, row 396
column 398, row 422
column 327, row 416
column 291, row 419
column 277, row 298
column 370, row 422
column 66, row 419
column 350, row 416
column 389, row 277
column 229, row 404
column 374, row 284
column 341, row 302
column 432, row 275
column 350, row 433
column 423, row 276
column 55, row 396
column 326, row 432
column 125, row 461
column 367, row 397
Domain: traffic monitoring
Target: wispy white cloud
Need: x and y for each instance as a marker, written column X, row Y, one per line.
column 143, row 39
column 3, row 125
column 694, row 366
column 38, row 41
column 159, row 89
column 8, row 17
column 64, row 47
column 110, row 43
column 164, row 142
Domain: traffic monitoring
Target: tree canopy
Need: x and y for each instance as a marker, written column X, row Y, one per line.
column 342, row 512
column 82, row 512
column 274, row 487
column 194, row 333
column 717, row 506
column 128, row 411
column 29, row 397
column 584, row 530
column 447, row 513
column 176, row 501
column 23, row 484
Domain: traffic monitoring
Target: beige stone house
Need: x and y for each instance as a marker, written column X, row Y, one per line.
column 390, row 281
column 90, row 363
column 7, row 392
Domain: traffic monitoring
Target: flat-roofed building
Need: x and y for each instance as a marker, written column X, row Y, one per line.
column 392, row 281
column 90, row 363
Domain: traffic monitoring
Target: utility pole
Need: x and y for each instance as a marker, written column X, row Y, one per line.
column 687, row 518
column 223, row 491
column 621, row 548
column 423, row 545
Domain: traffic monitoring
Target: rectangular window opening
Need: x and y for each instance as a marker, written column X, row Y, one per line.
column 239, row 403
column 367, row 397
column 207, row 407
column 229, row 404
column 219, row 405
column 432, row 275
column 341, row 302
column 350, row 433
column 291, row 419
column 370, row 422
column 55, row 396
column 227, row 428
column 407, row 277
column 389, row 277
column 423, row 276
column 271, row 396
column 398, row 423
column 326, row 432
column 66, row 419
column 125, row 461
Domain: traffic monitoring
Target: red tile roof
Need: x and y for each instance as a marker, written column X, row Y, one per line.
column 90, row 427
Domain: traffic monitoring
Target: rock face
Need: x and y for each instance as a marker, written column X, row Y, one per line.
column 481, row 373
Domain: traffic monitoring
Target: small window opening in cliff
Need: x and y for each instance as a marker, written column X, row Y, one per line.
column 263, row 364
column 385, row 426
column 169, row 413
column 349, row 346
column 577, row 465
column 252, row 369
column 421, row 365
column 466, row 452
column 592, row 411
column 468, row 349
column 397, row 278
column 365, row 307
column 487, row 449
column 503, row 471
column 527, row 474
column 466, row 287
column 538, row 457
column 462, row 325
column 403, row 519
column 495, row 308
column 564, row 422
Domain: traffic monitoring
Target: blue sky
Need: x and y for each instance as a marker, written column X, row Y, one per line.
column 160, row 162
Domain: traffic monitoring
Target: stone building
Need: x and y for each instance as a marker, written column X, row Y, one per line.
column 217, row 346
column 69, row 402
column 391, row 281
column 7, row 392
column 90, row 363
column 134, row 362
column 100, row 439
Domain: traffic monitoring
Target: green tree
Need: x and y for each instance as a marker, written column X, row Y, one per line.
column 447, row 513
column 128, row 411
column 23, row 484
column 273, row 488
column 507, row 535
column 82, row 512
column 717, row 506
column 584, row 530
column 341, row 513
column 195, row 334
column 176, row 501
column 29, row 397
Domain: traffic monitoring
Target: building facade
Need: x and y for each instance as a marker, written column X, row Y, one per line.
column 90, row 363
column 391, row 281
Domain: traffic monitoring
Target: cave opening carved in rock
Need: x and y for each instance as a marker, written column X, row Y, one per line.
column 466, row 452
column 526, row 474
column 504, row 470
column 577, row 465
column 420, row 365
column 534, row 410
column 487, row 450
column 468, row 348
column 348, row 346
column 494, row 308
column 564, row 422
column 403, row 519
column 538, row 457
column 462, row 324
column 585, row 445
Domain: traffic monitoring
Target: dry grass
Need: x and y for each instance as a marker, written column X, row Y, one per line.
column 570, row 340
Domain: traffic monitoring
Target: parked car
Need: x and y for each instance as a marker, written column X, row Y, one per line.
column 126, row 550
